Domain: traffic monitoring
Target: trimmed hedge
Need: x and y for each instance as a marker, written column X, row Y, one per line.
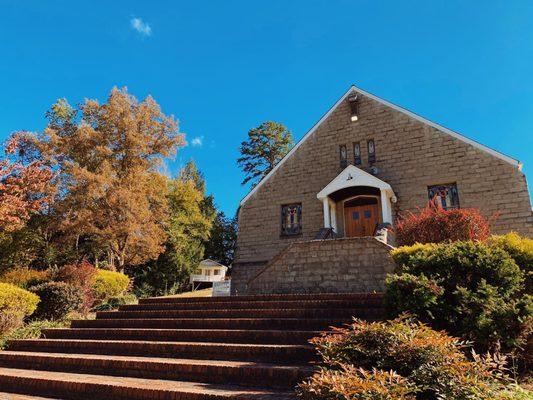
column 58, row 299
column 15, row 305
column 108, row 284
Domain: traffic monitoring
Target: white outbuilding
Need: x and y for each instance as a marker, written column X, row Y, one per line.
column 208, row 271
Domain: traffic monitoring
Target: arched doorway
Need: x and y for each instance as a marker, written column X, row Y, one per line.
column 361, row 216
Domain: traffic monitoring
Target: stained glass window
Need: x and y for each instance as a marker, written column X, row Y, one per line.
column 343, row 156
column 447, row 195
column 357, row 153
column 371, row 151
column 291, row 219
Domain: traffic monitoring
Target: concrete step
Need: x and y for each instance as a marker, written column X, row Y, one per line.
column 245, row 313
column 226, row 372
column 371, row 302
column 216, row 323
column 266, row 297
column 286, row 354
column 185, row 335
column 71, row 386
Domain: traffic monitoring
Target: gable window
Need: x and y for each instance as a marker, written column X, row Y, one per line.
column 343, row 156
column 216, row 272
column 371, row 151
column 357, row 153
column 447, row 195
column 291, row 219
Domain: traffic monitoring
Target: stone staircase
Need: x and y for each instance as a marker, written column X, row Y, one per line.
column 240, row 347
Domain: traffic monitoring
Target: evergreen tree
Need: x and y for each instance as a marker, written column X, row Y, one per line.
column 222, row 241
column 266, row 146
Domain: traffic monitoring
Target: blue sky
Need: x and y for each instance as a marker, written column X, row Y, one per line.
column 223, row 67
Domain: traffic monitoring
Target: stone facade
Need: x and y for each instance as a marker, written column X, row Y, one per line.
column 350, row 265
column 410, row 156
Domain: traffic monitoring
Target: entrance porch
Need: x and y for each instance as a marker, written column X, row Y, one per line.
column 356, row 203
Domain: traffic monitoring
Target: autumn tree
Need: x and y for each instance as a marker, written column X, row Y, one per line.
column 187, row 230
column 24, row 188
column 108, row 156
column 265, row 147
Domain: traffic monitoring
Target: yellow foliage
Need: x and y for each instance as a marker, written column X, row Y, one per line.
column 401, row 254
column 24, row 277
column 109, row 284
column 15, row 304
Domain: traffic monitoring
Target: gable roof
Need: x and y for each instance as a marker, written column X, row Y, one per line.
column 211, row 263
column 352, row 176
column 354, row 89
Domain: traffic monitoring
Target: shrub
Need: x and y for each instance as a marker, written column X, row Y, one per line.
column 25, row 277
column 414, row 294
column 467, row 288
column 82, row 275
column 15, row 305
column 434, row 224
column 521, row 250
column 109, row 284
column 57, row 300
column 352, row 383
column 430, row 363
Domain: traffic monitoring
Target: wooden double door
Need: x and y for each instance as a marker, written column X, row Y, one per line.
column 361, row 216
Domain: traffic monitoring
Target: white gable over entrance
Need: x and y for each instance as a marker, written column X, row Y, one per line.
column 352, row 176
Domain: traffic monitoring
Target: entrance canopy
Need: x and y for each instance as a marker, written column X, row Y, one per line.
column 348, row 181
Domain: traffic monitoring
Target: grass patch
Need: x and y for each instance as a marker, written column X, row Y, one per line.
column 31, row 330
column 197, row 293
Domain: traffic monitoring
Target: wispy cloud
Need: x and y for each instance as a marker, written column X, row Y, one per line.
column 140, row 26
column 198, row 141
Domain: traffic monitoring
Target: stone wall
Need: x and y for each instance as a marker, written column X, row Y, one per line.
column 410, row 157
column 347, row 265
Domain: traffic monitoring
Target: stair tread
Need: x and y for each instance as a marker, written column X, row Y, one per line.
column 177, row 330
column 153, row 343
column 169, row 387
column 14, row 396
column 267, row 297
column 157, row 360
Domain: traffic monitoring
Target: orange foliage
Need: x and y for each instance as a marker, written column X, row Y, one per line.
column 434, row 224
column 24, row 189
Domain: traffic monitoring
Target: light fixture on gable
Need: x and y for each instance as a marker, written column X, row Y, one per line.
column 354, row 107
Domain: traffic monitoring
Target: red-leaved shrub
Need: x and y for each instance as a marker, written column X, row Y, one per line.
column 434, row 224
column 81, row 275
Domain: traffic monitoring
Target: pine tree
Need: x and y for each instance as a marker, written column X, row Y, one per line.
column 266, row 146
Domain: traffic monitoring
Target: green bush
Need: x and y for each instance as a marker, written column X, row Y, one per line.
column 521, row 250
column 109, row 284
column 15, row 305
column 478, row 292
column 57, row 300
column 350, row 383
column 414, row 294
column 431, row 364
column 25, row 277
